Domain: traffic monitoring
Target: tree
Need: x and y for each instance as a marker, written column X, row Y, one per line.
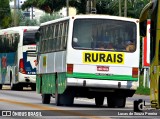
column 46, row 5
column 24, row 21
column 110, row 7
column 50, row 6
column 5, row 15
column 48, row 17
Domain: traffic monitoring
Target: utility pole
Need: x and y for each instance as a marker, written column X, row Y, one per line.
column 67, row 4
column 32, row 11
column 15, row 13
column 120, row 10
column 94, row 7
column 125, row 8
column 88, row 7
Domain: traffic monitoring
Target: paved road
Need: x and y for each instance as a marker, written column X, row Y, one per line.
column 28, row 103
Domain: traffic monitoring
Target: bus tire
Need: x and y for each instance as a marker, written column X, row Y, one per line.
column 46, row 98
column 33, row 87
column 66, row 98
column 116, row 102
column 57, row 99
column 99, row 100
column 57, row 96
column 13, row 86
column 19, row 87
column 1, row 86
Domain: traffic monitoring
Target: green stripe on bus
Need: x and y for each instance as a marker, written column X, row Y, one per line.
column 108, row 77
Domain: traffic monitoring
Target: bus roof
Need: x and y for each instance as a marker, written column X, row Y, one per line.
column 90, row 16
column 18, row 29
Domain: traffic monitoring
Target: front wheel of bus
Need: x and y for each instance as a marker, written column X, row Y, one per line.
column 46, row 98
column 116, row 102
column 99, row 100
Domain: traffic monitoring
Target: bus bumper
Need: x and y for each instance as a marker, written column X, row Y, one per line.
column 23, row 78
column 102, row 83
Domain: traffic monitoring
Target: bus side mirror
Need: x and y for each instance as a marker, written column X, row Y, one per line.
column 143, row 28
column 37, row 36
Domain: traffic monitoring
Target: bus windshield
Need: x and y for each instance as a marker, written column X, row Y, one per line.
column 109, row 34
column 29, row 38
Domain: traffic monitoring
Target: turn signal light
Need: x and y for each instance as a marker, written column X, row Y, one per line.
column 69, row 68
column 135, row 72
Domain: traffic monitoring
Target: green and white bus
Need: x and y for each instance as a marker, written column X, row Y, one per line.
column 71, row 62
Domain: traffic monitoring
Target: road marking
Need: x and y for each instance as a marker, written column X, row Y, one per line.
column 50, row 108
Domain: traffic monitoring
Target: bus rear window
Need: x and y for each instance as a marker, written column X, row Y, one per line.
column 104, row 34
column 29, row 38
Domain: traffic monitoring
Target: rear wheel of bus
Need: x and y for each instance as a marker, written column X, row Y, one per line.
column 46, row 98
column 13, row 86
column 66, row 98
column 99, row 100
column 114, row 102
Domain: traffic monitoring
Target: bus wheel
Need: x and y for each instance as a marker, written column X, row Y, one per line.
column 33, row 87
column 19, row 87
column 57, row 99
column 1, row 86
column 67, row 98
column 118, row 102
column 46, row 98
column 13, row 86
column 99, row 100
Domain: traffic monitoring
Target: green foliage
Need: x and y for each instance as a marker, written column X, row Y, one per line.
column 50, row 6
column 46, row 5
column 24, row 21
column 28, row 22
column 5, row 14
column 141, row 89
column 110, row 7
column 48, row 17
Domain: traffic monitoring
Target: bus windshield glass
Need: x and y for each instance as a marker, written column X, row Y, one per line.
column 106, row 34
column 29, row 38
